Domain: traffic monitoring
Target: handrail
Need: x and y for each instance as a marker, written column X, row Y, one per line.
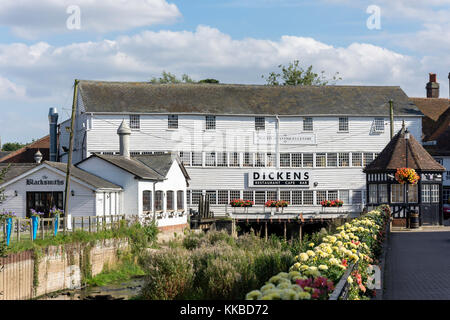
column 341, row 289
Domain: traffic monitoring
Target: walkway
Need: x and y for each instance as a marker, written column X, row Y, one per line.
column 418, row 265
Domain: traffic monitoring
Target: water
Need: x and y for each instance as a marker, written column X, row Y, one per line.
column 120, row 291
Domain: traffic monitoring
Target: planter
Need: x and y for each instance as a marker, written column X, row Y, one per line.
column 56, row 225
column 35, row 224
column 8, row 230
column 414, row 220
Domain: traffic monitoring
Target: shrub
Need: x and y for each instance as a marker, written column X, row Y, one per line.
column 169, row 275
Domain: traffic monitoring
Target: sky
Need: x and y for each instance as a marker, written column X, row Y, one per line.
column 46, row 44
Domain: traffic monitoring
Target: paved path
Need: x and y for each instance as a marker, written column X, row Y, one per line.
column 418, row 266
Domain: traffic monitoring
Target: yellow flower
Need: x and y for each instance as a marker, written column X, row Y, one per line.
column 323, row 267
column 310, row 253
column 350, row 280
column 304, row 256
column 311, row 244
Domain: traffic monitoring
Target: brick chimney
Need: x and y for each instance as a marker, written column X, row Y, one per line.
column 432, row 87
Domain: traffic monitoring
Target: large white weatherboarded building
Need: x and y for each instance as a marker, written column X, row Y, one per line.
column 303, row 144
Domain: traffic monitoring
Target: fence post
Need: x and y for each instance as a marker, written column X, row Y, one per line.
column 42, row 227
column 96, row 220
column 31, row 229
column 18, row 229
column 90, row 222
column 82, row 223
column 64, row 219
column 73, row 224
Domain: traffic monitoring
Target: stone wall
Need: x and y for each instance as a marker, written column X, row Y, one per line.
column 57, row 268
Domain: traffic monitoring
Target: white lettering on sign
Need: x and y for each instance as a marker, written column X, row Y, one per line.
column 297, row 138
column 279, row 178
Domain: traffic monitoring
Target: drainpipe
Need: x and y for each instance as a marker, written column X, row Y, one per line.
column 277, row 150
column 153, row 201
column 391, row 109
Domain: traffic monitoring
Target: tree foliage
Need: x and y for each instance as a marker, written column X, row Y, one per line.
column 295, row 75
column 170, row 78
column 12, row 146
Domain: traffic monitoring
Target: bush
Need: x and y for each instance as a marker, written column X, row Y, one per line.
column 216, row 267
column 169, row 275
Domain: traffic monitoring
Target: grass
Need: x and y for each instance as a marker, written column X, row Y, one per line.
column 138, row 235
column 125, row 271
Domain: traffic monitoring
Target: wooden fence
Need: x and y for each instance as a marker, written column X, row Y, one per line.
column 22, row 228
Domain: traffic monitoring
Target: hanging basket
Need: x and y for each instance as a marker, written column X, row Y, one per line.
column 406, row 176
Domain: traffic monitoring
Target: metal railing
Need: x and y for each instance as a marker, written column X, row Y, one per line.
column 342, row 288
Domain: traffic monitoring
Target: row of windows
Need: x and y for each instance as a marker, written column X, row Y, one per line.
column 287, row 160
column 260, row 123
column 378, row 193
column 159, row 200
column 295, row 197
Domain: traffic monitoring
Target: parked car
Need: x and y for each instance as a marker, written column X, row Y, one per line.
column 446, row 209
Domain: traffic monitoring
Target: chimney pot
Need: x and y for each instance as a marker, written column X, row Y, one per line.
column 124, row 133
column 432, row 77
column 432, row 87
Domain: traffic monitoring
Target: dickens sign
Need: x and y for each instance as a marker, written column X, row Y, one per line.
column 279, row 178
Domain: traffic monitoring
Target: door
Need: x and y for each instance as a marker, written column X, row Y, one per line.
column 429, row 208
column 43, row 202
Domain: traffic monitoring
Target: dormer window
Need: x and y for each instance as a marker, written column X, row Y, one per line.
column 172, row 121
column 260, row 123
column 135, row 122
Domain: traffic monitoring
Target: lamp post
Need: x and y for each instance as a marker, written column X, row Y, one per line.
column 406, row 184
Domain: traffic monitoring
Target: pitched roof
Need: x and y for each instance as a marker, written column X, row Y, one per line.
column 26, row 153
column 132, row 166
column 4, row 153
column 431, row 107
column 162, row 163
column 89, row 178
column 144, row 97
column 16, row 169
column 393, row 156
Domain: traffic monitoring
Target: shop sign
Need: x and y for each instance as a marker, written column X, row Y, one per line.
column 279, row 178
column 292, row 139
column 44, row 181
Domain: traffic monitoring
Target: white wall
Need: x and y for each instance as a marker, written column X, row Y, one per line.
column 81, row 204
column 129, row 197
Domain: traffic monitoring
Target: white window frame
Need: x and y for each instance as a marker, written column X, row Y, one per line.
column 135, row 122
column 343, row 124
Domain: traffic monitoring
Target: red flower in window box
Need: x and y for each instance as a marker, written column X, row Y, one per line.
column 276, row 204
column 240, row 203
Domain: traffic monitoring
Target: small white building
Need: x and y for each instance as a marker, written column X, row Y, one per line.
column 41, row 186
column 152, row 186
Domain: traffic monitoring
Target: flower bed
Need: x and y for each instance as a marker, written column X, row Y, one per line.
column 319, row 269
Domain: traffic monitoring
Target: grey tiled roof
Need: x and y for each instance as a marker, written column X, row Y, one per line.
column 161, row 163
column 133, row 166
column 144, row 97
column 84, row 176
column 16, row 170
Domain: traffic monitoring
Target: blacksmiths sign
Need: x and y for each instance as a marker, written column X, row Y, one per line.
column 44, row 181
column 279, row 178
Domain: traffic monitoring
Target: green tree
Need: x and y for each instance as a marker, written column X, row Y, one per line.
column 295, row 75
column 167, row 77
column 12, row 146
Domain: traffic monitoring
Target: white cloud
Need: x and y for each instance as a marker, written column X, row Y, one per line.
column 10, row 90
column 31, row 18
column 46, row 71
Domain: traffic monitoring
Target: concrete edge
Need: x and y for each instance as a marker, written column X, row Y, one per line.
column 382, row 265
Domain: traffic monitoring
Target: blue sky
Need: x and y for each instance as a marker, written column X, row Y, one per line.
column 233, row 41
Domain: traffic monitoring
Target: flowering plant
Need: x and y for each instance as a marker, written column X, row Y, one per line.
column 7, row 214
column 241, row 203
column 333, row 203
column 55, row 212
column 406, row 175
column 276, row 204
column 320, row 266
column 35, row 213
